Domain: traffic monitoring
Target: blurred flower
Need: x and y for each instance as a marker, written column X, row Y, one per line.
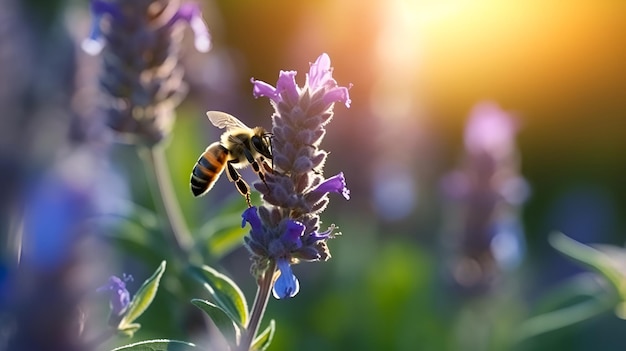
column 119, row 297
column 286, row 228
column 141, row 47
column 487, row 190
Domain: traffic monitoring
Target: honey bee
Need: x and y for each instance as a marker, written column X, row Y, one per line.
column 239, row 146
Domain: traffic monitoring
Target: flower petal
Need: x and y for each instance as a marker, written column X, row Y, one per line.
column 337, row 94
column 334, row 184
column 319, row 72
column 119, row 297
column 286, row 86
column 286, row 285
column 251, row 216
column 293, row 233
column 192, row 13
column 264, row 89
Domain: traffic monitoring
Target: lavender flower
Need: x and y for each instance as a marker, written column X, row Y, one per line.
column 488, row 191
column 140, row 41
column 119, row 297
column 286, row 228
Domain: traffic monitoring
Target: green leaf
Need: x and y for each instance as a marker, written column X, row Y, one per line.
column 226, row 235
column 221, row 319
column 158, row 345
column 143, row 298
column 225, row 292
column 593, row 258
column 263, row 341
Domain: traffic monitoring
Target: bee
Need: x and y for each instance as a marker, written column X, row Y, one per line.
column 239, row 146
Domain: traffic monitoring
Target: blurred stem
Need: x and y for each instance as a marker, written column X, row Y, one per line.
column 165, row 198
column 100, row 339
column 258, row 309
column 15, row 237
column 564, row 317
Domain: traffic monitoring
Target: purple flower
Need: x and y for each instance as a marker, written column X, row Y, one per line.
column 119, row 297
column 250, row 215
column 191, row 13
column 319, row 78
column 285, row 230
column 286, row 285
column 279, row 246
column 286, row 88
column 293, row 233
column 334, row 184
column 490, row 130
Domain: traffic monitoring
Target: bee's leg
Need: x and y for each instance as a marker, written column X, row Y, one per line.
column 255, row 166
column 241, row 184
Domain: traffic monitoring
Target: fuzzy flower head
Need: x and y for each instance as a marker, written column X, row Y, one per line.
column 101, row 9
column 319, row 81
column 142, row 79
column 119, row 297
column 285, row 230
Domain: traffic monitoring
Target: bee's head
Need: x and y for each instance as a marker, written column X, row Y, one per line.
column 262, row 142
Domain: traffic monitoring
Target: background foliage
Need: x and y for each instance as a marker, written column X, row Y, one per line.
column 417, row 69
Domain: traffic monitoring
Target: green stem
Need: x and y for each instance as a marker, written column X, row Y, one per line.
column 165, row 199
column 100, row 339
column 564, row 317
column 258, row 309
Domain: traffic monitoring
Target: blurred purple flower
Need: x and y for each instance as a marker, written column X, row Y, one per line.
column 119, row 297
column 191, row 13
column 490, row 130
column 188, row 12
column 488, row 190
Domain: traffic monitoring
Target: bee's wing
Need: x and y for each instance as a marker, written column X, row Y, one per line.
column 224, row 120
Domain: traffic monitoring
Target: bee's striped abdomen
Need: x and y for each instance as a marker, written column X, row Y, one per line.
column 208, row 168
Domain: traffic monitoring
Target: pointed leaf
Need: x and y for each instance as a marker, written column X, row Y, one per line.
column 263, row 341
column 221, row 319
column 225, row 292
column 143, row 298
column 158, row 345
column 593, row 258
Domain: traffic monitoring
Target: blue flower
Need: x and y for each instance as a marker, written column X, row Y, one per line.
column 286, row 285
column 279, row 246
column 94, row 43
column 119, row 297
column 334, row 184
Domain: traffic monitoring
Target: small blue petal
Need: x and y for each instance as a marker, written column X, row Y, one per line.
column 251, row 216
column 334, row 184
column 293, row 233
column 287, row 284
column 95, row 42
column 119, row 297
